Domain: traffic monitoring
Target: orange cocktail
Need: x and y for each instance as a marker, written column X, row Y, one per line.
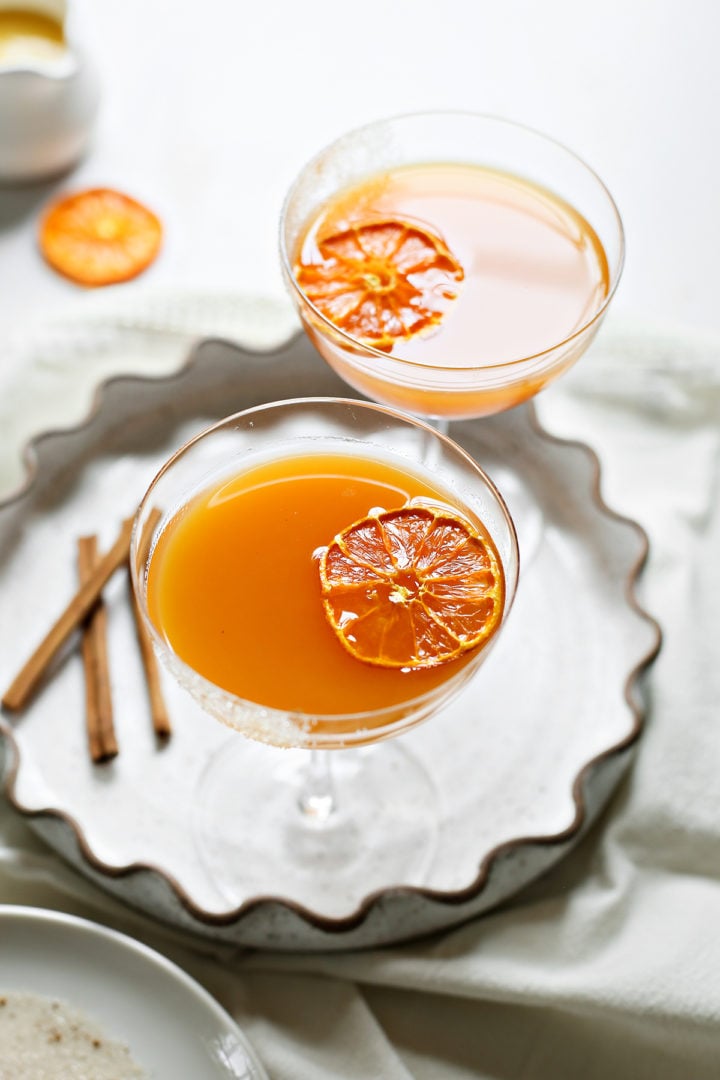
column 234, row 585
column 320, row 574
column 452, row 264
column 331, row 583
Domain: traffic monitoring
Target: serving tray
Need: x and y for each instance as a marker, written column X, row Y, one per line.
column 523, row 760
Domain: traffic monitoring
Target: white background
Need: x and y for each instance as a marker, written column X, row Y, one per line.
column 209, row 109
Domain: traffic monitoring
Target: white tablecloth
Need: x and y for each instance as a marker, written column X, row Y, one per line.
column 610, row 966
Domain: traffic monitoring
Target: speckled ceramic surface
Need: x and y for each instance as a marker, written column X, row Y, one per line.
column 523, row 760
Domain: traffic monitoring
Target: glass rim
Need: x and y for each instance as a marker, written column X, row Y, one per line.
column 370, row 350
column 410, row 706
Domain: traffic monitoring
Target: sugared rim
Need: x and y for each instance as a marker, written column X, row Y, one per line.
column 370, row 350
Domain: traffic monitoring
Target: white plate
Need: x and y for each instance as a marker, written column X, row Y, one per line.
column 172, row 1027
column 523, row 760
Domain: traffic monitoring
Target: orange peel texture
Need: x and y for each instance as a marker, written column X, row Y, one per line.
column 412, row 588
column 99, row 237
column 382, row 281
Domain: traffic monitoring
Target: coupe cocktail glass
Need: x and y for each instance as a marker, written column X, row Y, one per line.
column 257, row 653
column 536, row 233
column 527, row 247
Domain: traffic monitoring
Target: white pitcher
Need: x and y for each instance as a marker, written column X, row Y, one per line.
column 47, row 105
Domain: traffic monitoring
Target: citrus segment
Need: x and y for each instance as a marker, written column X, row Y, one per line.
column 411, row 588
column 382, row 281
column 99, row 237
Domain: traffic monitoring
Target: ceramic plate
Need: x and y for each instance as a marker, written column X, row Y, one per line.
column 523, row 759
column 171, row 1026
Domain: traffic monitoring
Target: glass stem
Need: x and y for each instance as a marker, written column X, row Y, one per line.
column 317, row 799
column 440, row 423
column 430, row 450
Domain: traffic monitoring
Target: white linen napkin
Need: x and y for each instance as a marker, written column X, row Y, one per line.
column 609, row 966
column 49, row 371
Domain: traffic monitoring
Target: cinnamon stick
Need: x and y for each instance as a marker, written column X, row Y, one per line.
column 102, row 742
column 158, row 710
column 28, row 679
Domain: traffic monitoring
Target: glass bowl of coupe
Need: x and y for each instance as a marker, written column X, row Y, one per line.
column 321, row 575
column 450, row 264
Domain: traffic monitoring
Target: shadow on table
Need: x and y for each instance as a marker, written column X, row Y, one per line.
column 18, row 202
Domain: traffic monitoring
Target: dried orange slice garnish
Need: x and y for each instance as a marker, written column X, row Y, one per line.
column 382, row 281
column 99, row 237
column 412, row 588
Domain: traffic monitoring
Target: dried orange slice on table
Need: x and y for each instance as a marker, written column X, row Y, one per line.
column 99, row 237
column 381, row 281
column 412, row 588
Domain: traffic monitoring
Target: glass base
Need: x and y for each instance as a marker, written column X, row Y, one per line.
column 257, row 833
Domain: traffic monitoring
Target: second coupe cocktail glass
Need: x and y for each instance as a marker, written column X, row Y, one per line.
column 450, row 264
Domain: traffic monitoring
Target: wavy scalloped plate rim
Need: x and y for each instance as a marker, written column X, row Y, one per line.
column 214, row 370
